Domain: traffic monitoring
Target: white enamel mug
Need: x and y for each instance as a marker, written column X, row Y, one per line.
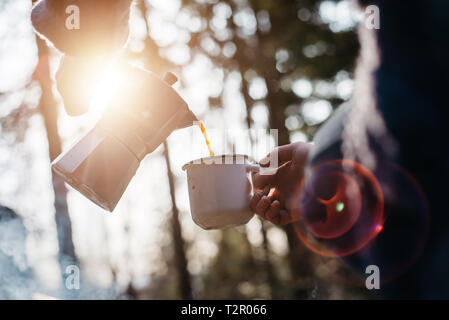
column 220, row 190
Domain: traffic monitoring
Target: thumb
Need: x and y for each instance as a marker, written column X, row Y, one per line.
column 260, row 181
column 279, row 155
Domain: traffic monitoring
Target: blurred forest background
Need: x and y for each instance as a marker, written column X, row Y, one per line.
column 279, row 64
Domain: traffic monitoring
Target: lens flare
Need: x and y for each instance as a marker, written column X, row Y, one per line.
column 339, row 217
column 340, row 208
column 370, row 218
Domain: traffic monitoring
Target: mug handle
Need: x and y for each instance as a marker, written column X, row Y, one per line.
column 253, row 168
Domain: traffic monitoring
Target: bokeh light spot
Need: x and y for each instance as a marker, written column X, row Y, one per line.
column 340, row 206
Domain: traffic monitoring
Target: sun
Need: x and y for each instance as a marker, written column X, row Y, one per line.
column 104, row 84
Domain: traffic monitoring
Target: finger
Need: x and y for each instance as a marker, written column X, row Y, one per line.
column 266, row 190
column 280, row 154
column 273, row 211
column 274, row 195
column 255, row 200
column 262, row 206
column 260, row 181
column 264, row 182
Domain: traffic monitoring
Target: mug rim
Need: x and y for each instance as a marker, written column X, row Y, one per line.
column 201, row 161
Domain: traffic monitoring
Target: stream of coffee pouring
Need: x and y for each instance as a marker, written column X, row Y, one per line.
column 171, row 79
column 203, row 130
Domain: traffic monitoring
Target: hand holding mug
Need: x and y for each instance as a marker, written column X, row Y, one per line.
column 276, row 206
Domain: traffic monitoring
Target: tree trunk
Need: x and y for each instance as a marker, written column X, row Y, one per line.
column 180, row 259
column 299, row 255
column 154, row 62
column 48, row 109
column 269, row 271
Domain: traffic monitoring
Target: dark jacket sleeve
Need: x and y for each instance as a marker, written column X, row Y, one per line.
column 411, row 251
